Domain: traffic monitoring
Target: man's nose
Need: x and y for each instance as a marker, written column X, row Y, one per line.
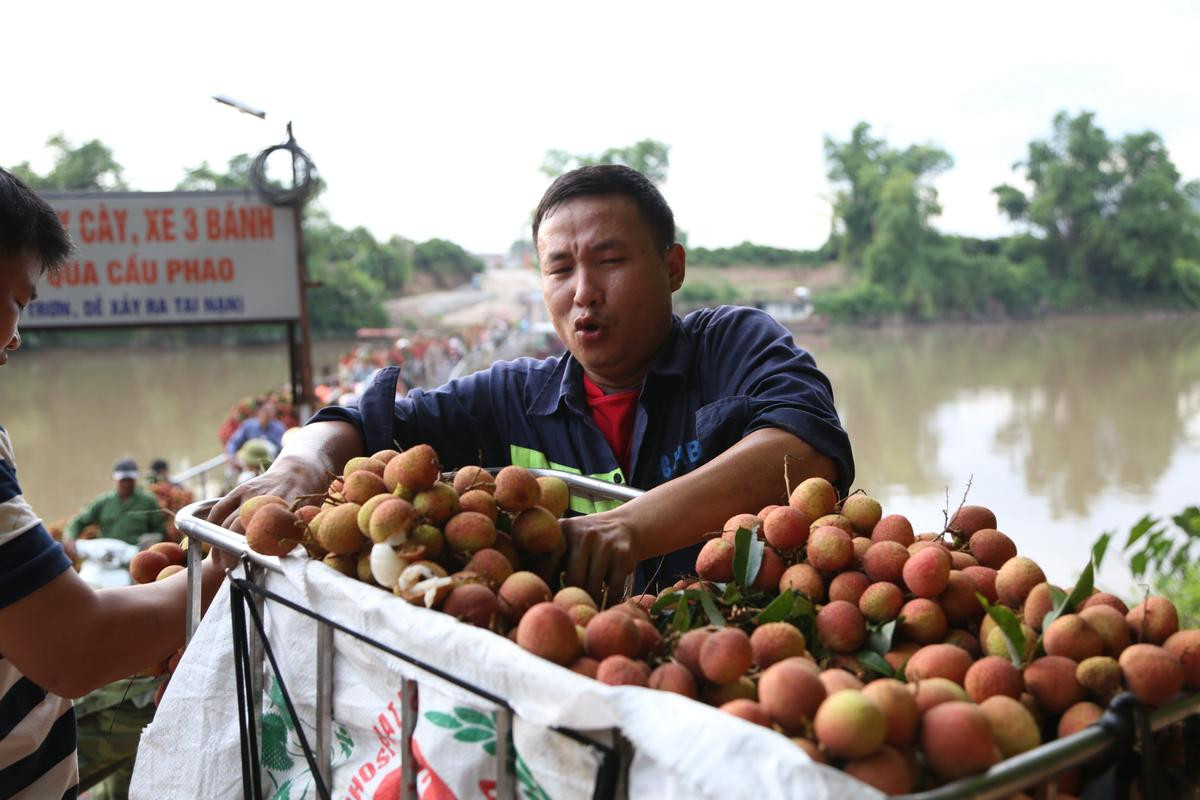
column 588, row 291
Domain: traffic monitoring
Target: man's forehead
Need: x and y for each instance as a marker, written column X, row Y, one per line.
column 600, row 218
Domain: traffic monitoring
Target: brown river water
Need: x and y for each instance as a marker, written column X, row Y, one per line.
column 1066, row 428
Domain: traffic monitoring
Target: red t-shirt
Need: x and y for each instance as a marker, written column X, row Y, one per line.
column 614, row 415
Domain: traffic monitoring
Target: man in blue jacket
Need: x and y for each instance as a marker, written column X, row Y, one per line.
column 701, row 411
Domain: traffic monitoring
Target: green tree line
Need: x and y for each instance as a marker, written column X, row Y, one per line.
column 1103, row 222
column 353, row 271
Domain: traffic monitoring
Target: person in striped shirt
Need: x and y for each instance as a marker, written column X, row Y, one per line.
column 59, row 638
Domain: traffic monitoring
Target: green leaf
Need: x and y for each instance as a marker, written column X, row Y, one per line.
column 803, row 608
column 490, row 747
column 754, row 563
column 473, row 717
column 732, row 594
column 274, row 744
column 664, row 602
column 1137, row 564
column 879, row 638
column 683, row 616
column 475, row 735
column 1083, row 588
column 1101, row 547
column 345, row 741
column 1010, row 626
column 874, row 662
column 443, row 720
column 710, row 610
column 276, row 694
column 1058, row 606
column 778, row 610
column 1140, row 528
column 741, row 556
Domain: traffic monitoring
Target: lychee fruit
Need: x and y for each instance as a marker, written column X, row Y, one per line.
column 935, row 691
column 848, row 586
column 1015, row 579
column 1070, row 635
column 829, row 549
column 1151, row 673
column 570, row 596
column 886, row 770
column 1100, row 675
column 984, row 579
column 274, row 531
column 1078, row 717
column 770, row 571
column 417, row 468
column 472, row 478
column 893, row 528
column 725, row 656
column 1038, row 603
column 339, row 533
column 738, row 521
column 537, row 531
column 814, row 497
column 1105, row 599
column 899, row 709
column 554, row 496
column 992, row 548
column 174, row 553
column 546, row 630
column 687, row 650
column 881, row 601
column 437, row 504
column 612, row 632
column 924, row 621
column 969, row 519
column 841, row 627
column 991, row 676
column 516, row 489
column 850, row 724
column 747, row 710
column 956, row 738
column 785, row 528
column 673, row 677
column 1185, row 646
column 863, row 512
column 472, row 603
column 1014, row 729
column 790, row 692
column 391, row 521
column 252, row 504
column 884, row 561
column 800, row 578
column 927, row 573
column 520, row 592
column 715, row 561
column 480, row 502
column 491, row 565
column 619, row 670
column 1051, row 680
column 938, row 661
column 361, row 486
column 1153, row 620
column 776, row 641
column 145, row 566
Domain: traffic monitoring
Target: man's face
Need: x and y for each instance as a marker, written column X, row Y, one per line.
column 18, row 287
column 125, row 487
column 607, row 286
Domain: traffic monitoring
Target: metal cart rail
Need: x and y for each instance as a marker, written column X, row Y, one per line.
column 1124, row 723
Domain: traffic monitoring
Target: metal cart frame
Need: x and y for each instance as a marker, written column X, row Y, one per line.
column 1125, row 723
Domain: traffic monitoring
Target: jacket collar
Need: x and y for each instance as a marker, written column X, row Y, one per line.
column 565, row 383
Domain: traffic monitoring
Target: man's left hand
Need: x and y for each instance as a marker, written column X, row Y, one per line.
column 602, row 552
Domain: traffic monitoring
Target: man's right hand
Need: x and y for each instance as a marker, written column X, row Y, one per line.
column 288, row 478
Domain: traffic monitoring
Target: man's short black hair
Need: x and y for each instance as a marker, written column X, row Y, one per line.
column 28, row 223
column 611, row 179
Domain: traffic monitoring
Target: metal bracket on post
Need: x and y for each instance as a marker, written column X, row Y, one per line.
column 408, row 724
column 195, row 567
column 506, row 785
column 325, row 701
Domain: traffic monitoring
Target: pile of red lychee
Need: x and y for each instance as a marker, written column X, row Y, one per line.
column 907, row 660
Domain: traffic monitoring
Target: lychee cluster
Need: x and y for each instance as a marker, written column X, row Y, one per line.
column 473, row 548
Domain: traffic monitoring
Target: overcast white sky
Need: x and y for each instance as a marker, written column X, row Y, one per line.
column 431, row 119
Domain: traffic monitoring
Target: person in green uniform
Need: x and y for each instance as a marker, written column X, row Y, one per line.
column 127, row 513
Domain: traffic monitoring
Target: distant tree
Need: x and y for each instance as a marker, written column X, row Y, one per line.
column 1114, row 219
column 89, row 167
column 649, row 157
column 860, row 169
column 206, row 179
column 446, row 262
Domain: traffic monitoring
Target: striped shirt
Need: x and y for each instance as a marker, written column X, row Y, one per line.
column 37, row 728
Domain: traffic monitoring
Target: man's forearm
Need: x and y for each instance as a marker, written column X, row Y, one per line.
column 745, row 478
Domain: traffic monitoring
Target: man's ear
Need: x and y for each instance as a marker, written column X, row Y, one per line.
column 676, row 265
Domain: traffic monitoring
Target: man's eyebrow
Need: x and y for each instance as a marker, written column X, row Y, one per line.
column 610, row 243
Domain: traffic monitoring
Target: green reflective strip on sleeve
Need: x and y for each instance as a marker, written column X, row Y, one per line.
column 535, row 459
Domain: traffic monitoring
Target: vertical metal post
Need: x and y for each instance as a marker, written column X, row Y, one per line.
column 304, row 399
column 506, row 786
column 256, row 576
column 408, row 723
column 324, row 750
column 195, row 566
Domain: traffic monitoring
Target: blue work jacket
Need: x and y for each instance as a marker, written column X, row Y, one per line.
column 721, row 375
